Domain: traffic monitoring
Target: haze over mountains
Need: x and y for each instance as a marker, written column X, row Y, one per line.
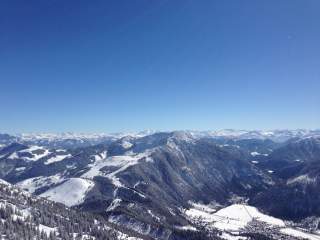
column 228, row 184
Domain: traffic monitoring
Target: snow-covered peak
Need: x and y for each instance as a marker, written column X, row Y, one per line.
column 183, row 136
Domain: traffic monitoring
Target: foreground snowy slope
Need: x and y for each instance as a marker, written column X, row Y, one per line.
column 23, row 216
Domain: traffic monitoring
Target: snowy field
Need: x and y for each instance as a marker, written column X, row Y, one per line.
column 236, row 217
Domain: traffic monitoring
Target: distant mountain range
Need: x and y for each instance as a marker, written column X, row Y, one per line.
column 226, row 184
column 73, row 140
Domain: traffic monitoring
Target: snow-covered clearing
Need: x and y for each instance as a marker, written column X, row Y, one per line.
column 71, row 192
column 236, row 217
column 232, row 218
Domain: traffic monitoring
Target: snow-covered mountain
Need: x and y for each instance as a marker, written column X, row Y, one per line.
column 66, row 140
column 155, row 184
column 274, row 135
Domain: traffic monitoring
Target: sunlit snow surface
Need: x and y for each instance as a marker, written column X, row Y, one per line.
column 299, row 234
column 56, row 158
column 71, row 192
column 236, row 217
column 47, row 230
column 32, row 184
column 120, row 162
column 33, row 151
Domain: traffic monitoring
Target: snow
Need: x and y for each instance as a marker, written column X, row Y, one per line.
column 35, row 156
column 4, row 182
column 31, row 149
column 60, row 150
column 26, row 213
column 83, row 237
column 127, row 161
column 71, row 192
column 304, row 179
column 155, row 216
column 275, row 135
column 233, row 218
column 300, row 234
column 32, row 184
column 115, row 203
column 123, row 236
column 100, row 156
column 56, row 158
column 17, row 213
column 186, row 227
column 236, row 217
column 120, row 162
column 46, row 229
column 228, row 236
column 20, row 169
column 126, row 144
column 183, row 136
column 194, row 214
column 255, row 154
column 203, row 207
column 241, row 215
column 149, row 159
column 13, row 156
column 267, row 133
column 131, row 224
column 62, row 136
column 137, row 183
column 258, row 154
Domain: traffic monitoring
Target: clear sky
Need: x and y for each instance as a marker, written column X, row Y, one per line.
column 109, row 66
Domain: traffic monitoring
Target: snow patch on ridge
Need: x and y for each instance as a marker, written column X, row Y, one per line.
column 56, row 158
column 120, row 163
column 258, row 154
column 304, row 179
column 115, row 203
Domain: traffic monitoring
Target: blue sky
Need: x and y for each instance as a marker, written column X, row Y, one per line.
column 109, row 66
